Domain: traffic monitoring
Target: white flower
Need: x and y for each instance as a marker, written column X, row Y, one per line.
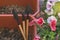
column 52, row 0
column 51, row 18
column 58, row 0
column 48, row 6
column 59, row 15
column 49, row 12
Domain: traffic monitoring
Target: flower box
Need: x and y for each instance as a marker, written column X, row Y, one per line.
column 7, row 20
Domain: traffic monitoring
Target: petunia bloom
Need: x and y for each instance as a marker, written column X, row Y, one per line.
column 52, row 1
column 49, row 12
column 53, row 25
column 40, row 21
column 48, row 6
column 49, row 9
column 52, row 22
column 36, row 37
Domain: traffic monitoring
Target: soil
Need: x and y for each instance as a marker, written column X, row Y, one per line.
column 13, row 34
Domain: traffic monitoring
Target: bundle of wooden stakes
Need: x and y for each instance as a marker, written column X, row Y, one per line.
column 25, row 22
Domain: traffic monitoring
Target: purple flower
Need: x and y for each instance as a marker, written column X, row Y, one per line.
column 52, row 0
column 48, row 6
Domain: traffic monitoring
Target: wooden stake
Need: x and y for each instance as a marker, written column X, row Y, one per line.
column 27, row 25
column 22, row 32
column 28, row 10
column 24, row 26
column 17, row 19
column 23, row 21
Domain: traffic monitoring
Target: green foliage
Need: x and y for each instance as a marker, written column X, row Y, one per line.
column 45, row 31
column 56, row 8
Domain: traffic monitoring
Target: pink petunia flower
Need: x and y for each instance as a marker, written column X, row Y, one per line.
column 53, row 25
column 36, row 37
column 31, row 23
column 52, row 22
column 40, row 21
